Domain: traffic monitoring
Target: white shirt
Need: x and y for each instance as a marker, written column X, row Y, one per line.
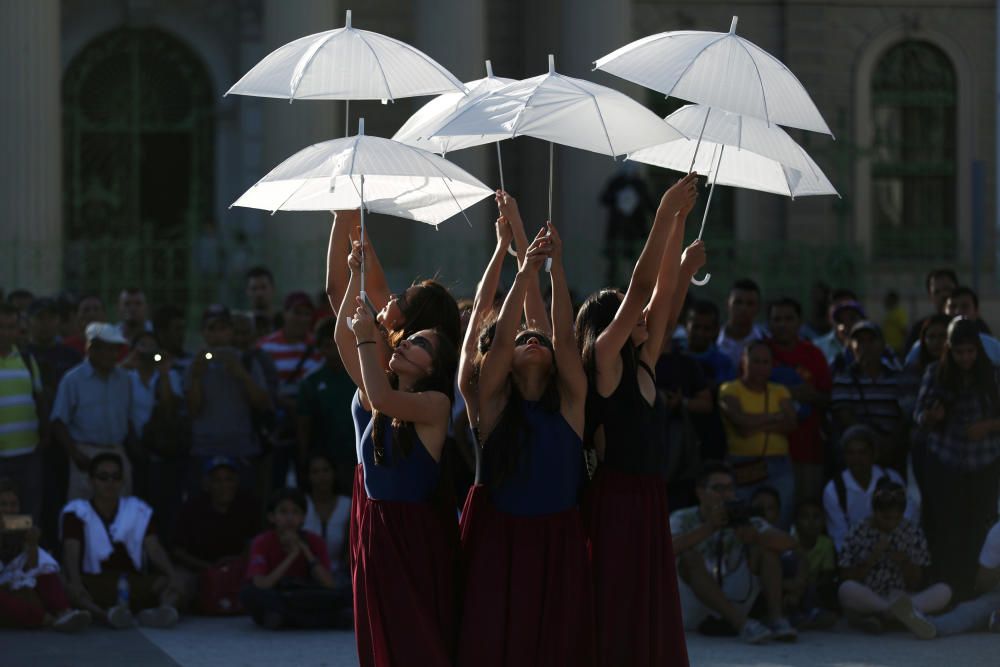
column 859, row 504
column 989, row 557
column 733, row 348
column 334, row 531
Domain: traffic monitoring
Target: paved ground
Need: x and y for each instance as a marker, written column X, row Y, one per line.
column 202, row 642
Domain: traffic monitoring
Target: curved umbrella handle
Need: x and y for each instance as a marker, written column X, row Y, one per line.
column 703, row 281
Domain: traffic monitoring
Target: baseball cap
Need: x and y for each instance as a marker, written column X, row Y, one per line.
column 220, row 462
column 107, row 333
column 865, row 325
column 298, row 299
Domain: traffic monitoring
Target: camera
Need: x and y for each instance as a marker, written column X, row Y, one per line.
column 739, row 513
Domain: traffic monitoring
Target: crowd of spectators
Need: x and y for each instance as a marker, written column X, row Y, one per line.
column 817, row 467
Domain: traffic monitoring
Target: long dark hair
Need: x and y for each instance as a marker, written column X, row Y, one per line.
column 444, row 363
column 431, row 307
column 504, row 449
column 980, row 379
column 594, row 316
column 938, row 319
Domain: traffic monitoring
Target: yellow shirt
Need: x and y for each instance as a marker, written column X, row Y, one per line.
column 895, row 328
column 752, row 403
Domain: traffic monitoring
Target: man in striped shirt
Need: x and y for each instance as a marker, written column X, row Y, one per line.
column 295, row 355
column 867, row 392
column 20, row 398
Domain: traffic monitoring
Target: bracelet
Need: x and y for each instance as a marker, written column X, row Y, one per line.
column 364, row 342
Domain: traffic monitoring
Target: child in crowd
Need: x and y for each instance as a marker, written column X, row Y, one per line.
column 882, row 562
column 31, row 592
column 812, row 593
column 289, row 580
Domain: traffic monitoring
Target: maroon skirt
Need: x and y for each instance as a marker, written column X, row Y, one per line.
column 404, row 586
column 359, row 498
column 635, row 577
column 528, row 598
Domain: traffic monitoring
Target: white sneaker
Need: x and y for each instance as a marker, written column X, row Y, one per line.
column 159, row 617
column 755, row 632
column 904, row 611
column 782, row 631
column 72, row 620
column 119, row 617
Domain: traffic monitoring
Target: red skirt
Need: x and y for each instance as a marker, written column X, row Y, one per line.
column 528, row 592
column 359, row 498
column 635, row 577
column 404, row 586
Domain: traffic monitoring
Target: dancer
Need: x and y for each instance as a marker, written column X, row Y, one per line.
column 621, row 335
column 528, row 592
column 405, row 556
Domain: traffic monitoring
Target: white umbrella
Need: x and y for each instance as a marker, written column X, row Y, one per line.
column 720, row 70
column 370, row 173
column 759, row 157
column 562, row 110
column 346, row 64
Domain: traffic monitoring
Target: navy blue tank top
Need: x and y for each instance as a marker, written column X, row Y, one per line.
column 635, row 432
column 412, row 478
column 361, row 419
column 550, row 473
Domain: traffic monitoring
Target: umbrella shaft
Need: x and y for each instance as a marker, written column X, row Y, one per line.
column 347, row 118
column 551, row 172
column 700, row 135
column 711, row 191
column 500, row 165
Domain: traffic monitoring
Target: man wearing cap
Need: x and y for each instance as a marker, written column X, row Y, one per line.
column 867, row 392
column 92, row 407
column 222, row 394
column 295, row 355
column 844, row 313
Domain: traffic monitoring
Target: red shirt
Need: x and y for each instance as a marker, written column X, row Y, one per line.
column 266, row 553
column 804, row 443
column 119, row 560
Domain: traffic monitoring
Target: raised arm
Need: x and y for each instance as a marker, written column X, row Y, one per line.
column 342, row 335
column 481, row 306
column 337, row 275
column 609, row 344
column 659, row 307
column 572, row 377
column 534, row 304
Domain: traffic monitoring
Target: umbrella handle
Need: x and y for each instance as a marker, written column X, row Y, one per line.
column 703, row 281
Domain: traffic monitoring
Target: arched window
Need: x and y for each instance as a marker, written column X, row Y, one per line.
column 913, row 167
column 138, row 155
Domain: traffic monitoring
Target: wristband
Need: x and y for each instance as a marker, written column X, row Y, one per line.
column 364, row 342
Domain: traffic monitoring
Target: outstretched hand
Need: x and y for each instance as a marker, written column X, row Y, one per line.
column 363, row 323
column 504, row 232
column 538, row 252
column 555, row 243
column 694, row 257
column 679, row 199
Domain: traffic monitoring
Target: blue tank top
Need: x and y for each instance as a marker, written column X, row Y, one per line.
column 361, row 419
column 550, row 472
column 412, row 478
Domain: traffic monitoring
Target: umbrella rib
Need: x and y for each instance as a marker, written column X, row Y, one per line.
column 600, row 115
column 315, row 50
column 760, row 80
column 692, row 61
column 445, row 180
column 378, row 62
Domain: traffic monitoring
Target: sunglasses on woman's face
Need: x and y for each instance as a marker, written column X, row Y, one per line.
column 401, row 302
column 108, row 477
column 422, row 343
column 525, row 337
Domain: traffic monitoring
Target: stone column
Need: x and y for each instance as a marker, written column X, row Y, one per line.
column 31, row 144
column 294, row 244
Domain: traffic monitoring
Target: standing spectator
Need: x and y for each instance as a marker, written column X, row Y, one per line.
column 133, row 311
column 882, row 567
column 22, row 410
column 933, row 335
column 260, row 294
column 939, row 284
column 702, row 331
column 293, row 350
column 324, row 423
column 170, row 327
column 222, row 395
column 847, row 498
column 801, row 367
column 245, row 340
column 92, row 409
column 817, row 323
column 725, row 561
column 867, row 392
column 20, row 299
column 327, row 512
column 743, row 306
column 964, row 303
column 106, row 541
column 89, row 309
column 896, row 323
column 845, row 312
column 958, row 409
column 758, row 414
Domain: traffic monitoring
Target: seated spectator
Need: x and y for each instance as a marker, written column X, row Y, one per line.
column 327, row 512
column 213, row 534
column 726, row 558
column 31, row 592
column 289, row 580
column 964, row 303
column 757, row 415
column 106, row 540
column 882, row 568
column 91, row 413
column 958, row 410
column 844, row 312
column 866, row 392
column 743, row 305
column 847, row 498
column 323, row 422
column 811, row 587
column 222, row 395
column 983, row 612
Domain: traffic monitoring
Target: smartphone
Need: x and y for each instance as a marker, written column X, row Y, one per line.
column 17, row 522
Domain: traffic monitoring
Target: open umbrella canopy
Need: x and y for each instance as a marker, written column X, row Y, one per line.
column 346, row 64
column 421, row 127
column 399, row 180
column 562, row 110
column 717, row 69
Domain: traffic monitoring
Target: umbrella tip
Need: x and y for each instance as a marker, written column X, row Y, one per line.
column 552, row 64
column 361, row 127
column 732, row 26
column 348, row 21
column 489, row 69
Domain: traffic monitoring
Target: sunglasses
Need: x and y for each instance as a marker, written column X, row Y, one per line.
column 422, row 343
column 525, row 336
column 401, row 301
column 109, row 477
